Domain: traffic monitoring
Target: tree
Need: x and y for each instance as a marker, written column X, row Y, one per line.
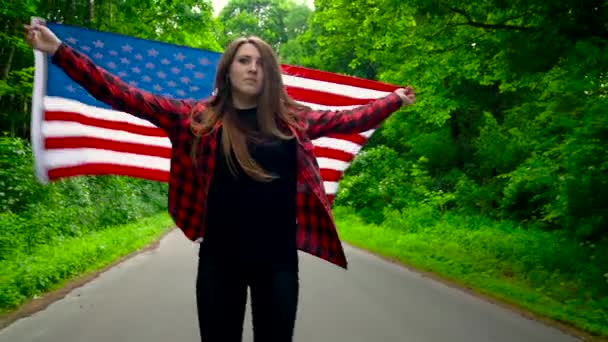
column 510, row 95
column 275, row 21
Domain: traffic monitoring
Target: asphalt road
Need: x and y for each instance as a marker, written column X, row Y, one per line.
column 150, row 297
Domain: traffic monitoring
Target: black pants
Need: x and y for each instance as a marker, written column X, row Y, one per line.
column 222, row 295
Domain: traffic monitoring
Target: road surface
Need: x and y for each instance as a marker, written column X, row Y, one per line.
column 150, row 297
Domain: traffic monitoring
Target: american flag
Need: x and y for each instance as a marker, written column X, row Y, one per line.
column 74, row 134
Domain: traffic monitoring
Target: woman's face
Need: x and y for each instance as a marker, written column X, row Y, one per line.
column 246, row 73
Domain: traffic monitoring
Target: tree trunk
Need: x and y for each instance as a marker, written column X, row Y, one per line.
column 9, row 62
column 90, row 16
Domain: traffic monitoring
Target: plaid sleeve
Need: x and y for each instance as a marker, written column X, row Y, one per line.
column 161, row 111
column 356, row 120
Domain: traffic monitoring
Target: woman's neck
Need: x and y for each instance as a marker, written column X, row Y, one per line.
column 244, row 102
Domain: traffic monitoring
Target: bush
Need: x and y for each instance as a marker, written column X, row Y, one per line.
column 34, row 214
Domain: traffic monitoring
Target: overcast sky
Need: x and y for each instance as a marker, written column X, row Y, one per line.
column 219, row 4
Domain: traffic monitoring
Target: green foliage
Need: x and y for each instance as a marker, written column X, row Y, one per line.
column 544, row 272
column 275, row 21
column 17, row 184
column 25, row 275
column 510, row 115
column 33, row 215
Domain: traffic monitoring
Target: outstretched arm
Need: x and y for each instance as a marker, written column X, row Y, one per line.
column 359, row 119
column 161, row 111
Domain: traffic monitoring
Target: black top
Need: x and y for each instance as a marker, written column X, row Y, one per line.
column 251, row 223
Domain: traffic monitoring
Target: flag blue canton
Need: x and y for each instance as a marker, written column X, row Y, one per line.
column 160, row 68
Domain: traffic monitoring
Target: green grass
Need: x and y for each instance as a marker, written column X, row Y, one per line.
column 540, row 272
column 48, row 267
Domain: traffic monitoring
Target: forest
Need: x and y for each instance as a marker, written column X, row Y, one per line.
column 496, row 178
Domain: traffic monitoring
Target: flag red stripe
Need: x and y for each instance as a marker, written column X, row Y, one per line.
column 330, row 175
column 322, row 98
column 116, row 125
column 108, row 169
column 354, row 138
column 104, row 144
column 335, row 78
column 331, row 153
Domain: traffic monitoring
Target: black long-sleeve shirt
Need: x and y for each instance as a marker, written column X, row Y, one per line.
column 253, row 223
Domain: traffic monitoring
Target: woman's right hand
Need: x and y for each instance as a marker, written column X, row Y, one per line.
column 41, row 38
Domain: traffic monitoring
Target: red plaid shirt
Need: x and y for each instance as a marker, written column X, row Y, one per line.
column 189, row 185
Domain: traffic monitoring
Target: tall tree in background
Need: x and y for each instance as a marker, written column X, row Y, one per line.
column 275, row 21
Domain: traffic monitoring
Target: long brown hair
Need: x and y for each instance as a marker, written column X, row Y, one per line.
column 275, row 111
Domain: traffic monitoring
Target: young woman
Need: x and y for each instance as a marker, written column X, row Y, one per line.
column 243, row 176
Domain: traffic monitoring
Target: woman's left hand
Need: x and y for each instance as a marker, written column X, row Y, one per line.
column 407, row 95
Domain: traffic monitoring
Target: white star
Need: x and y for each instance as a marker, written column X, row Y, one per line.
column 71, row 88
column 161, row 74
column 157, row 87
column 189, row 66
column 136, row 70
column 194, row 88
column 185, row 80
column 133, row 83
column 171, row 84
column 122, row 74
column 86, row 48
column 180, row 57
column 204, row 61
column 175, row 70
column 113, row 53
column 180, row 92
column 139, row 57
column 98, row 43
column 152, row 53
column 124, row 60
column 165, row 61
column 72, row 40
column 149, row 65
column 112, row 65
column 146, row 79
column 199, row 74
column 127, row 48
column 98, row 56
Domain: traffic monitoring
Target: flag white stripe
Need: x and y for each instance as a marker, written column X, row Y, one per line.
column 53, row 103
column 332, row 88
column 37, row 119
column 316, row 106
column 82, row 156
column 337, row 144
column 332, row 164
column 331, row 188
column 62, row 129
column 368, row 133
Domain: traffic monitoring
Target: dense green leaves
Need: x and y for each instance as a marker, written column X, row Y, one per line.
column 511, row 103
column 275, row 21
